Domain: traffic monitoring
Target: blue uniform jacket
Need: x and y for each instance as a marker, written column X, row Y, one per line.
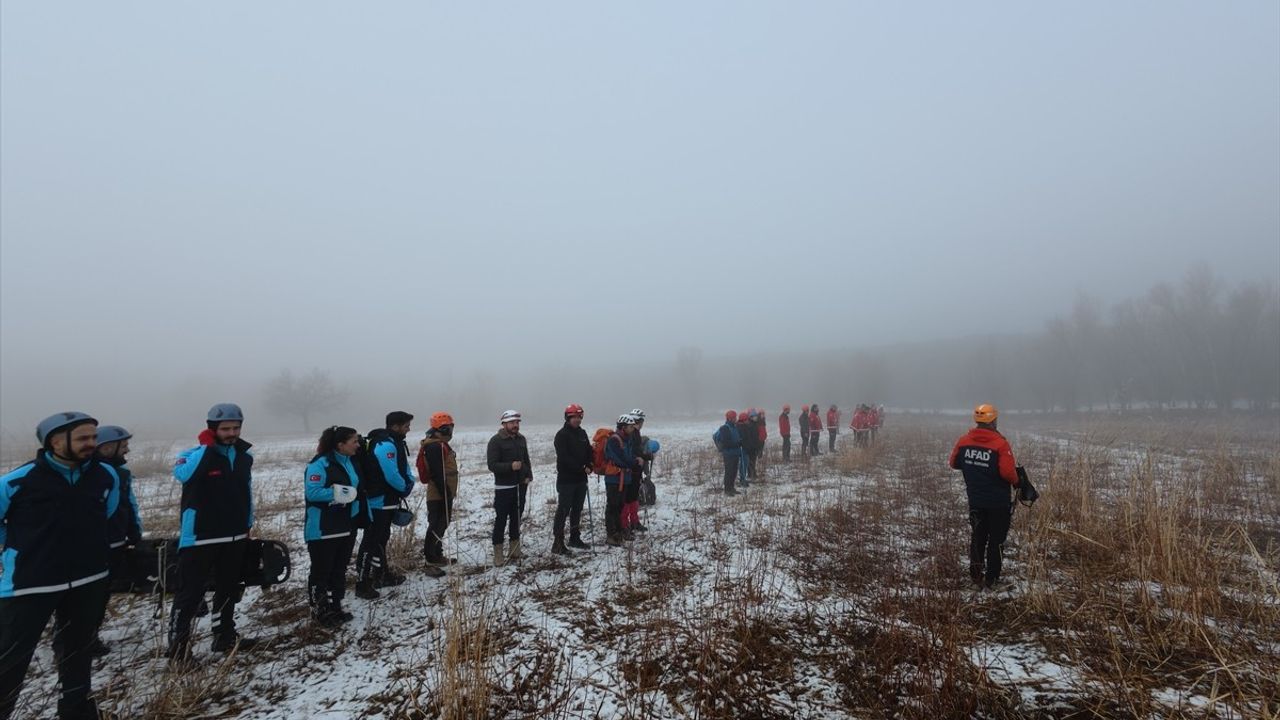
column 324, row 519
column 217, row 493
column 53, row 525
column 397, row 479
column 125, row 524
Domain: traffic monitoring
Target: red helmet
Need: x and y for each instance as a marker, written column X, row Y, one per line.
column 743, row 415
column 731, row 415
column 572, row 409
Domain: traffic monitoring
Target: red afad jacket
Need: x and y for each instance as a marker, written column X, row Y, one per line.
column 861, row 420
column 784, row 425
column 833, row 419
column 986, row 460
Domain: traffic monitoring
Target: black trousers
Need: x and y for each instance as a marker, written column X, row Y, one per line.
column 612, row 505
column 752, row 456
column 831, row 433
column 329, row 560
column 731, row 460
column 786, row 448
column 804, row 443
column 990, row 528
column 117, row 564
column 570, row 495
column 439, row 515
column 371, row 559
column 76, row 613
column 507, row 505
column 224, row 561
column 814, row 438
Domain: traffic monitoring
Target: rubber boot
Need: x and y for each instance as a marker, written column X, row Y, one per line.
column 514, row 553
column 498, row 561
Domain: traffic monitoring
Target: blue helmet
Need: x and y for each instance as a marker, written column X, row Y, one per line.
column 112, row 433
column 60, row 421
column 225, row 412
column 652, row 447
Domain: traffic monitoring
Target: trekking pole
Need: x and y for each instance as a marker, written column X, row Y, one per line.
column 591, row 516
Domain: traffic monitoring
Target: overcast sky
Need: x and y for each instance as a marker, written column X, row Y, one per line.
column 233, row 188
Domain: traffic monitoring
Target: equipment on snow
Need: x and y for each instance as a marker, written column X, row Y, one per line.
column 1027, row 493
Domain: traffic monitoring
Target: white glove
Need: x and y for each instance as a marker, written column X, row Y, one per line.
column 343, row 494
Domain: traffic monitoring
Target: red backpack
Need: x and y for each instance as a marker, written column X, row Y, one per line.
column 600, row 465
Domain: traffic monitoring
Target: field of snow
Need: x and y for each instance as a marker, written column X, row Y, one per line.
column 831, row 588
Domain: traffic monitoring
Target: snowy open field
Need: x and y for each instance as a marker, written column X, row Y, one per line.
column 1144, row 583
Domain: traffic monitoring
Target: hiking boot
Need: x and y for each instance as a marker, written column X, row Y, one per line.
column 326, row 616
column 343, row 615
column 514, row 552
column 498, row 561
column 366, row 591
column 441, row 561
column 432, row 571
column 577, row 544
column 228, row 641
column 639, row 528
column 558, row 548
column 614, row 540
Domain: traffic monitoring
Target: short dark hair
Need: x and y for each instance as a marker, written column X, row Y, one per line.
column 398, row 417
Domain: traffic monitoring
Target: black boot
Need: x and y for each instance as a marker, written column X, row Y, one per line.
column 575, row 542
column 229, row 640
column 366, row 591
column 558, row 548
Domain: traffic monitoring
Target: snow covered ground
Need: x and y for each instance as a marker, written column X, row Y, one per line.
column 727, row 607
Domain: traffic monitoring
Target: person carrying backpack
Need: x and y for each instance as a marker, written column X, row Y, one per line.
column 784, row 431
column 438, row 470
column 729, row 442
column 124, row 527
column 330, row 489
column 217, row 514
column 53, row 526
column 620, row 457
column 573, row 466
column 631, row 490
column 815, row 429
column 984, row 457
column 389, row 479
column 508, row 460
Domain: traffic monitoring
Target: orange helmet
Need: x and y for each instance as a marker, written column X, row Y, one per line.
column 440, row 419
column 573, row 409
column 985, row 413
column 786, row 408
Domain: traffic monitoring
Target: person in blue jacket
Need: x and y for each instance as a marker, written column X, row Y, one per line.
column 53, row 526
column 333, row 510
column 388, row 480
column 729, row 442
column 217, row 514
column 124, row 527
column 624, row 468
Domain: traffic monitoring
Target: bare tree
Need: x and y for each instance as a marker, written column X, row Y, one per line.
column 303, row 397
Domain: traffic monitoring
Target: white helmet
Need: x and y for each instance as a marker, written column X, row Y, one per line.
column 637, row 413
column 510, row 416
column 627, row 419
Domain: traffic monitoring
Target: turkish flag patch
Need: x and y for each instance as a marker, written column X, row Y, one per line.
column 391, row 456
column 314, row 478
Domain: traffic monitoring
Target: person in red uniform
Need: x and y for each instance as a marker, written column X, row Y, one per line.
column 833, row 427
column 985, row 458
column 784, row 431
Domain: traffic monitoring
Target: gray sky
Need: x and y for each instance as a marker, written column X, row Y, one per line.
column 203, row 189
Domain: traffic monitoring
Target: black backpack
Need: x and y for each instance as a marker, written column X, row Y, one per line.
column 1027, row 493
